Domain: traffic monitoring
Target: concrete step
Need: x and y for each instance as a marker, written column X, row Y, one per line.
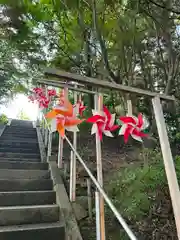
column 19, row 155
column 15, row 137
column 20, row 159
column 30, row 128
column 21, row 123
column 19, row 129
column 19, row 149
column 20, row 140
column 28, row 214
column 25, row 185
column 23, row 165
column 43, row 231
column 20, row 135
column 24, row 174
column 27, row 198
column 19, row 144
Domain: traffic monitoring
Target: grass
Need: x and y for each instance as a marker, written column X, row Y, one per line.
column 134, row 192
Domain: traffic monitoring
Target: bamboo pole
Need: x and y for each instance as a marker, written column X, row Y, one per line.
column 98, row 106
column 73, row 159
column 168, row 161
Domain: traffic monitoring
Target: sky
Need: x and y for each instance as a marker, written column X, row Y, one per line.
column 20, row 102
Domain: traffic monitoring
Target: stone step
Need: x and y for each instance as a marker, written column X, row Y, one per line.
column 25, row 185
column 23, row 165
column 20, row 159
column 43, row 231
column 24, row 174
column 28, row 214
column 23, row 134
column 27, row 198
column 19, row 149
column 20, row 155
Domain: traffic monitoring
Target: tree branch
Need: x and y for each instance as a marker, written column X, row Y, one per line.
column 102, row 43
column 164, row 7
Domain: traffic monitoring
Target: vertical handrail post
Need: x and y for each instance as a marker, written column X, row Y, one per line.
column 49, row 146
column 60, row 152
column 168, row 161
column 129, row 107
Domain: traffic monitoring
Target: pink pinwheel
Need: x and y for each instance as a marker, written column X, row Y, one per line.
column 39, row 97
column 38, row 91
column 52, row 93
column 103, row 122
column 31, row 98
column 133, row 126
column 80, row 107
column 43, row 102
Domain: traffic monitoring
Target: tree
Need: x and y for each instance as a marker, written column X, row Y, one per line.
column 130, row 42
column 22, row 115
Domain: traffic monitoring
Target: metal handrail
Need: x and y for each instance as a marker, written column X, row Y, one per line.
column 98, row 186
column 106, row 198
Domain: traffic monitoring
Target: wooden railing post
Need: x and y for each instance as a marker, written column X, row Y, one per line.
column 168, row 161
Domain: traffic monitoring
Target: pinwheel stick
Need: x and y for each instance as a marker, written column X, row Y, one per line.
column 100, row 217
column 46, row 129
column 61, row 141
column 73, row 160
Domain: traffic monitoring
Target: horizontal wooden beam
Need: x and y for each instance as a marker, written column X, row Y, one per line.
column 62, row 85
column 103, row 84
column 58, row 81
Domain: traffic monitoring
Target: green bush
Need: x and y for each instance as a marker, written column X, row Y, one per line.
column 3, row 119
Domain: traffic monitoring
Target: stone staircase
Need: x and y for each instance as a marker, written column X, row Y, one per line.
column 28, row 208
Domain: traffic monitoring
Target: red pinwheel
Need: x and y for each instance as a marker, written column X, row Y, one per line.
column 80, row 107
column 39, row 96
column 103, row 122
column 31, row 98
column 133, row 126
column 43, row 102
column 52, row 93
